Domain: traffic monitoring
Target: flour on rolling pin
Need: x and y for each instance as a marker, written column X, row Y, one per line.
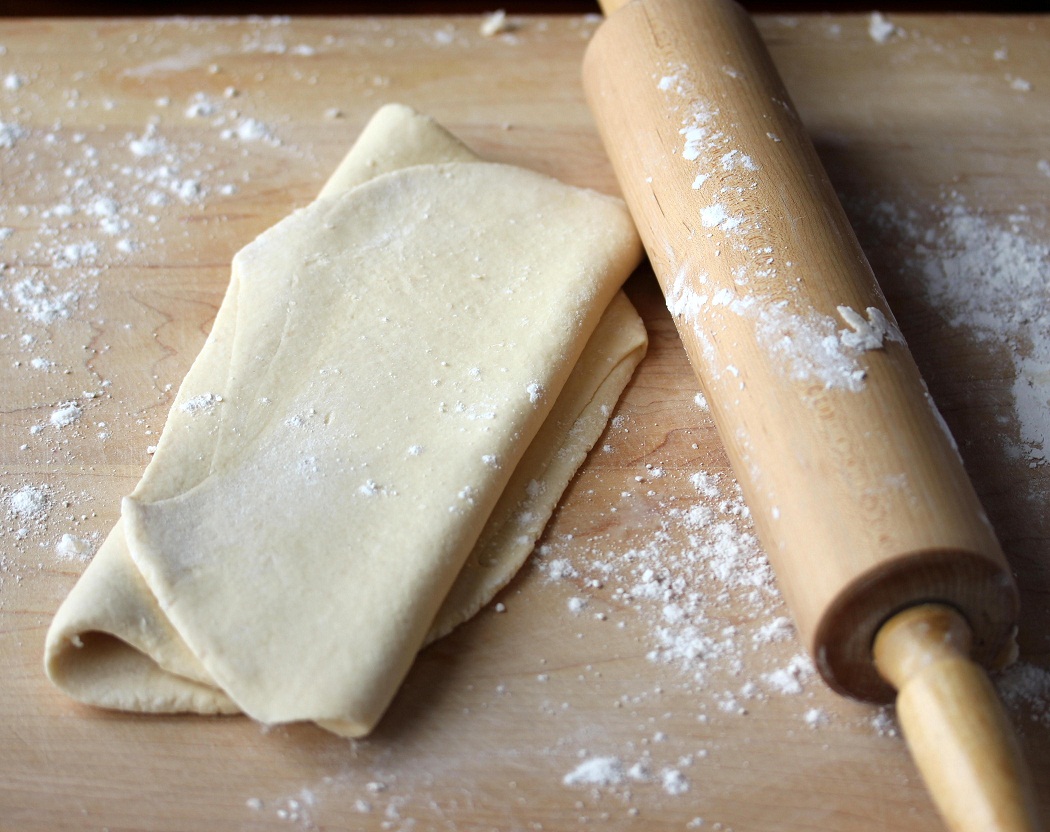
column 807, row 344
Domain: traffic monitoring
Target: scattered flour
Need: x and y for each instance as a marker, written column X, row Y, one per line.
column 704, row 555
column 201, row 403
column 805, row 343
column 561, row 568
column 789, row 680
column 370, row 488
column 66, row 415
column 779, row 629
column 201, row 106
column 1026, row 687
column 30, row 502
column 10, row 134
column 987, row 278
column 148, row 144
column 495, row 24
column 684, row 301
column 74, row 254
column 674, row 782
column 884, row 724
column 70, row 547
column 596, row 771
column 880, row 29
column 734, row 159
column 250, row 130
column 698, row 131
column 40, row 302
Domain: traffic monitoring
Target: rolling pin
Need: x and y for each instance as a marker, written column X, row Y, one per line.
column 887, row 561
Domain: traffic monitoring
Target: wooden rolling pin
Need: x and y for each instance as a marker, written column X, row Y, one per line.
column 880, row 546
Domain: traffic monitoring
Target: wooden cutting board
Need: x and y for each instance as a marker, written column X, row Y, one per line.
column 639, row 673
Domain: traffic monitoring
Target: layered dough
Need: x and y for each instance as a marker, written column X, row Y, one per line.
column 401, row 381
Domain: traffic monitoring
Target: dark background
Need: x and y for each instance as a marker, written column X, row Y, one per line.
column 24, row 8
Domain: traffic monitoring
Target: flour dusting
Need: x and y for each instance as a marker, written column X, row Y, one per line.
column 988, row 278
column 71, row 547
column 880, row 29
column 596, row 771
column 1025, row 686
column 202, row 403
column 10, row 134
column 66, row 415
column 29, row 503
column 496, row 23
column 809, row 347
column 704, row 553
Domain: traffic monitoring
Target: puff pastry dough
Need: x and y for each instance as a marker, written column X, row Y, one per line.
column 400, row 382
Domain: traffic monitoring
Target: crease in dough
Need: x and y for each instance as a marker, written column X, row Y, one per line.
column 291, row 493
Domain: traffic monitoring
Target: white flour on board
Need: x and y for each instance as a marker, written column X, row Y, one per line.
column 880, row 29
column 78, row 201
column 704, row 555
column 1026, row 687
column 29, row 504
column 71, row 547
column 66, row 414
column 988, row 278
column 10, row 133
column 596, row 771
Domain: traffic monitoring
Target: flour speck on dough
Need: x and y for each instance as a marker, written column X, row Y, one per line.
column 202, row 403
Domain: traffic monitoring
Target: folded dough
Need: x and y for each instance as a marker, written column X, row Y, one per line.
column 400, row 382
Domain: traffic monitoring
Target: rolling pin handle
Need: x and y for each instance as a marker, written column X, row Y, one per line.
column 954, row 724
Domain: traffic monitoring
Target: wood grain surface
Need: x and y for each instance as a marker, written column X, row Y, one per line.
column 645, row 633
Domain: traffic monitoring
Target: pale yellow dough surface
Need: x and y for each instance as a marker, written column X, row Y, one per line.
column 402, row 379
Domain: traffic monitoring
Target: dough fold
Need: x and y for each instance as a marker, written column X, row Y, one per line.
column 401, row 381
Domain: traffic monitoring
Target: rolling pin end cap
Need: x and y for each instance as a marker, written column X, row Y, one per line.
column 970, row 582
